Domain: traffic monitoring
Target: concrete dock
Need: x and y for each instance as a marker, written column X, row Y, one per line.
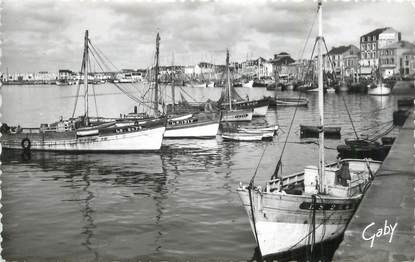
column 383, row 227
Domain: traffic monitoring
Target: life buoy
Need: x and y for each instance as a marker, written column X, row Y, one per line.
column 26, row 144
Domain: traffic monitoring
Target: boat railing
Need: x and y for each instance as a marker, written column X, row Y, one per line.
column 30, row 130
column 291, row 179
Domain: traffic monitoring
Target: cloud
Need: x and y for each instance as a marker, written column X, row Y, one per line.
column 48, row 35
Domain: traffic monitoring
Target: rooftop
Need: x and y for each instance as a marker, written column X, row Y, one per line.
column 376, row 32
column 402, row 44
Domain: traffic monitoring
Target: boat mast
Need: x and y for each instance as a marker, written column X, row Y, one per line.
column 322, row 184
column 156, row 87
column 172, row 84
column 86, row 56
column 228, row 79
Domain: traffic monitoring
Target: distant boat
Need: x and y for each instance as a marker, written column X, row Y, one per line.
column 330, row 90
column 313, row 131
column 288, row 101
column 343, row 87
column 62, row 82
column 361, row 148
column 200, row 125
column 258, row 107
column 243, row 115
column 248, row 84
column 239, row 110
column 379, row 90
column 249, row 133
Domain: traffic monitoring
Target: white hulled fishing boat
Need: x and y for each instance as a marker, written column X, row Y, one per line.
column 86, row 134
column 230, row 111
column 307, row 207
column 191, row 124
column 230, row 96
column 379, row 90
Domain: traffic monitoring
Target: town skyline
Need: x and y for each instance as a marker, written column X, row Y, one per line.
column 37, row 37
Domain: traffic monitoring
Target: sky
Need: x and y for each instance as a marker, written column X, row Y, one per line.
column 47, row 35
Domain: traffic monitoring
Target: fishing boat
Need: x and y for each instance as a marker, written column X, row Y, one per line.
column 288, row 101
column 237, row 115
column 378, row 90
column 249, row 133
column 87, row 134
column 248, row 84
column 272, row 129
column 313, row 131
column 258, row 107
column 231, row 111
column 308, row 207
column 190, row 124
column 230, row 96
column 330, row 90
column 200, row 125
column 363, row 148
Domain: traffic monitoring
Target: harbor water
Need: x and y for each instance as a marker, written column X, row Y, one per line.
column 178, row 204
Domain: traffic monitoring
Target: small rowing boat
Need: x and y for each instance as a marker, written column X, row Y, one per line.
column 313, row 131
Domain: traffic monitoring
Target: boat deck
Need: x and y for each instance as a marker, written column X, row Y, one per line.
column 390, row 200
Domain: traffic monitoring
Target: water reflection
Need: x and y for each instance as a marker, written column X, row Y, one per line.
column 178, row 204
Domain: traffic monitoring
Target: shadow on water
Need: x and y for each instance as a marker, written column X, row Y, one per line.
column 322, row 252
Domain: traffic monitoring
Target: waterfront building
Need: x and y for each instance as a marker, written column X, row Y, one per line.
column 371, row 43
column 285, row 65
column 65, row 74
column 395, row 59
column 342, row 60
column 408, row 65
column 258, row 68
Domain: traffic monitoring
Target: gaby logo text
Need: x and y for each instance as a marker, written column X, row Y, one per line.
column 371, row 232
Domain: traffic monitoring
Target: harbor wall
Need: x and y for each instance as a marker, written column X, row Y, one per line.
column 383, row 227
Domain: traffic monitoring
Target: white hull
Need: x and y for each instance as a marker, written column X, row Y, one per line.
column 242, row 136
column 201, row 131
column 283, row 221
column 381, row 90
column 250, row 84
column 146, row 140
column 260, row 111
column 277, row 237
column 237, row 116
column 330, row 90
column 125, row 80
column 282, row 226
column 199, row 85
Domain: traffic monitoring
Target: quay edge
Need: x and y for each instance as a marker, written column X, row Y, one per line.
column 390, row 199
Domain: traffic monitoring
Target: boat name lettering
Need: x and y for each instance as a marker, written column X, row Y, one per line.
column 326, row 206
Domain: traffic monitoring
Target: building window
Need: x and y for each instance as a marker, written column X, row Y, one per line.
column 374, row 38
column 406, row 62
column 392, row 62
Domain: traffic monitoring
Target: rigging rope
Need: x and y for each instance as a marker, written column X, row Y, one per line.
column 279, row 163
column 97, row 57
